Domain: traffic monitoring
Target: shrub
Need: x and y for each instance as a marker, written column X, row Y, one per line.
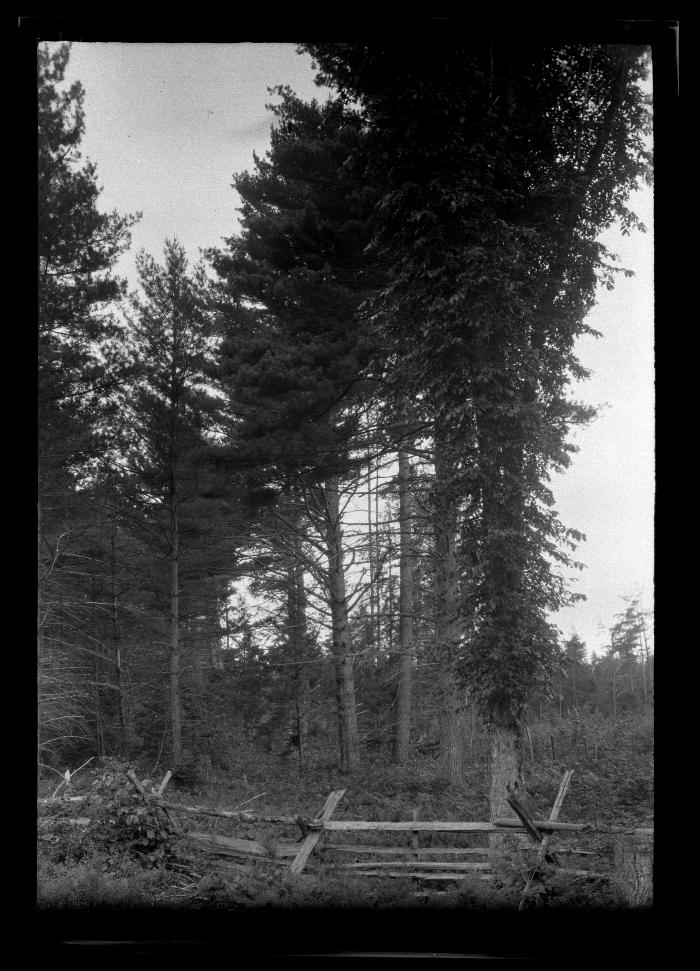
column 131, row 824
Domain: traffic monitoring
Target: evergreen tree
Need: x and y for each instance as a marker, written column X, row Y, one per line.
column 297, row 349
column 78, row 362
column 165, row 417
column 499, row 165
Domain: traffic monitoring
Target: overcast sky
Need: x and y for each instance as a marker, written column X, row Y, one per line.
column 169, row 124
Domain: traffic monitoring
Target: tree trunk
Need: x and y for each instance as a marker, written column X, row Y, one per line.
column 297, row 640
column 175, row 704
column 403, row 701
column 342, row 647
column 39, row 637
column 371, row 561
column 506, row 775
column 123, row 712
column 634, row 859
column 645, row 658
column 96, row 675
column 379, row 584
column 448, row 624
column 504, row 566
column 453, row 727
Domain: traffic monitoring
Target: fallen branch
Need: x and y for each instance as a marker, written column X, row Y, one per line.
column 51, row 821
column 48, row 799
column 230, row 814
column 584, row 873
column 166, row 780
column 248, row 800
column 68, row 776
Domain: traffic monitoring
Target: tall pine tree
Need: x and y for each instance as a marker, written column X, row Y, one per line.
column 500, row 164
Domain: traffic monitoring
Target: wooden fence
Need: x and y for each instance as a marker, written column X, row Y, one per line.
column 633, row 854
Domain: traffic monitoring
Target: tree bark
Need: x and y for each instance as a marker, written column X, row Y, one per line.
column 403, row 701
column 645, row 659
column 124, row 720
column 371, row 561
column 448, row 623
column 341, row 644
column 297, row 639
column 379, row 581
column 39, row 636
column 634, row 859
column 96, row 674
column 506, row 775
column 175, row 704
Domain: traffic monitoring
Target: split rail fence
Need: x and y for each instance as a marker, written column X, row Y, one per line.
column 633, row 853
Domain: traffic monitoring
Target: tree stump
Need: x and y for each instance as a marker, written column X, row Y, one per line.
column 634, row 864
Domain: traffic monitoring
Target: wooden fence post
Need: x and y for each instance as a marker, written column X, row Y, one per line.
column 634, row 865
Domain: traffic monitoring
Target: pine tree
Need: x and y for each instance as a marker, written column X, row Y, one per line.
column 297, row 348
column 165, row 415
column 500, row 165
column 78, row 363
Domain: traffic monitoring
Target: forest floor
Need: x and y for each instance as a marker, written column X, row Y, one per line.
column 612, row 784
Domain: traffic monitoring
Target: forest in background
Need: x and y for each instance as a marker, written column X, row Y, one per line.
column 295, row 499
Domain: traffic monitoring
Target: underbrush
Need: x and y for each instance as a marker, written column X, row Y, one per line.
column 88, row 882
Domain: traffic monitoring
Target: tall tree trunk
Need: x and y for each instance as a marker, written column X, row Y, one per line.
column 39, row 637
column 96, row 675
column 451, row 693
column 506, row 774
column 505, row 546
column 124, row 721
column 645, row 659
column 403, row 700
column 378, row 587
column 175, row 703
column 371, row 562
column 342, row 647
column 296, row 618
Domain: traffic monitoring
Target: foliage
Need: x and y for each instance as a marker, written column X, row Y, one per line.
column 480, row 151
column 133, row 825
column 80, row 360
column 289, row 288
